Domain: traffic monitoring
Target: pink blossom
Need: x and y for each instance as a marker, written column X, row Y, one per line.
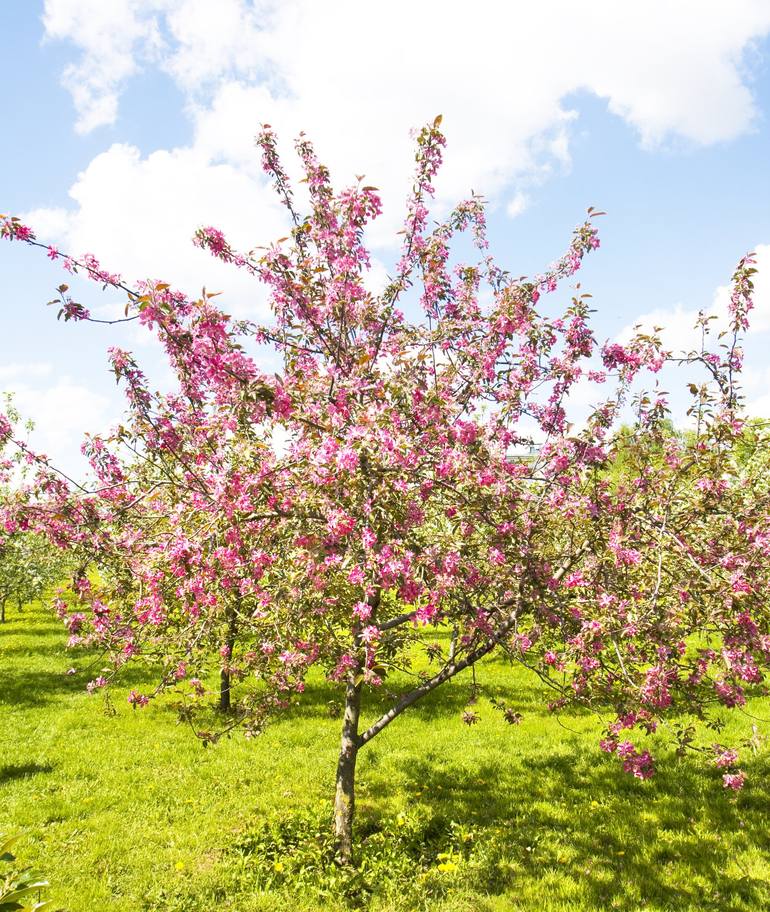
column 625, row 749
column 724, row 757
column 347, row 459
column 362, row 610
column 734, row 781
column 340, row 523
column 94, row 685
column 496, row 556
column 370, row 634
column 641, row 765
column 356, row 575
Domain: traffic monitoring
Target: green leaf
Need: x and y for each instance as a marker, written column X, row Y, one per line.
column 5, row 844
column 23, row 892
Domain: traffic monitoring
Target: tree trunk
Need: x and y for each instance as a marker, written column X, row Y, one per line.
column 344, row 799
column 224, row 674
column 2, row 611
column 224, row 691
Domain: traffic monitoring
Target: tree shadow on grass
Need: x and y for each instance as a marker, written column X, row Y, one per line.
column 33, row 687
column 18, row 627
column 39, row 649
column 12, row 771
column 37, row 688
column 326, row 700
column 573, row 823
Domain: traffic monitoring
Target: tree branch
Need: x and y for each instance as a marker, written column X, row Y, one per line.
column 398, row 621
column 447, row 672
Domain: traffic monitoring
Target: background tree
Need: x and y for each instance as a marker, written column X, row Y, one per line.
column 29, row 563
column 29, row 566
column 375, row 499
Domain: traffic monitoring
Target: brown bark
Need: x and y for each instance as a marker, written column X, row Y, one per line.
column 224, row 674
column 344, row 798
column 224, row 691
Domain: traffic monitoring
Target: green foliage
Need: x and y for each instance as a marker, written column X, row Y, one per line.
column 29, row 565
column 634, row 448
column 21, row 890
column 752, row 454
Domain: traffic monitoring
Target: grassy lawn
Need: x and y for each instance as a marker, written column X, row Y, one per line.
column 129, row 812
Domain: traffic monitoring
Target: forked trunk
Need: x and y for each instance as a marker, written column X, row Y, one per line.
column 352, row 741
column 344, row 799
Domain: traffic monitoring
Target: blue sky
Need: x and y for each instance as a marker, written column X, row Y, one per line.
column 130, row 122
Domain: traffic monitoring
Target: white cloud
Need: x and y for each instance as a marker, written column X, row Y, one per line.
column 210, row 40
column 108, row 34
column 356, row 78
column 679, row 335
column 758, row 403
column 139, row 214
column 678, row 332
column 666, row 68
column 518, row 204
column 675, row 326
column 62, row 413
column 353, row 74
column 51, row 224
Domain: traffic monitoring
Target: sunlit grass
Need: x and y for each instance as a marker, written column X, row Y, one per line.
column 129, row 812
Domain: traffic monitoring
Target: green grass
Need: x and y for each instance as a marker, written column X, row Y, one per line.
column 129, row 812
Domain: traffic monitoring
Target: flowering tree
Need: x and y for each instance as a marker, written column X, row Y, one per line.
column 29, row 564
column 377, row 496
